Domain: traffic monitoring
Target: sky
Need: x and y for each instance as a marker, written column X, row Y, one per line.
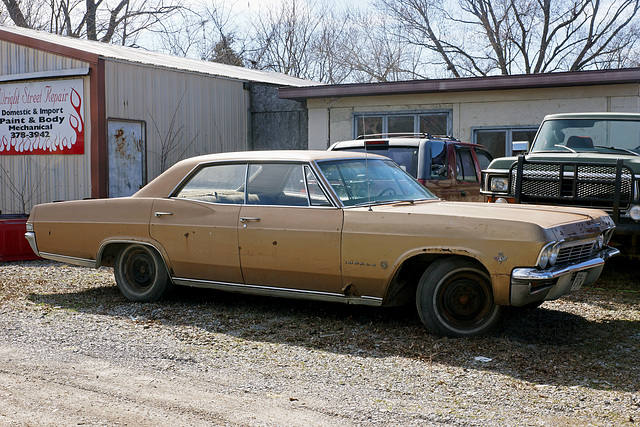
column 241, row 14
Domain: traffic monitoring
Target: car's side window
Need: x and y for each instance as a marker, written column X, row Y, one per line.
column 216, row 184
column 465, row 167
column 276, row 184
column 316, row 195
column 438, row 160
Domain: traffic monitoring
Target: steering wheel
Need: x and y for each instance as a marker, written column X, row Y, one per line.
column 390, row 190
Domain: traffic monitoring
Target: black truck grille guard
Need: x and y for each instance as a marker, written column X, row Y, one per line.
column 595, row 185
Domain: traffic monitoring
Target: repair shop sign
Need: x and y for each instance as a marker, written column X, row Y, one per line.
column 42, row 117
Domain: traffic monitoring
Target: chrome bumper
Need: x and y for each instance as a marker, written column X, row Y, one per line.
column 529, row 285
column 31, row 238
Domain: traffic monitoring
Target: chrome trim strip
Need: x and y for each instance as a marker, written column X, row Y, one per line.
column 31, row 238
column 278, row 292
column 70, row 260
column 555, row 272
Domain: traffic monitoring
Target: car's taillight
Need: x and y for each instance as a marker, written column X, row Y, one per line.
column 376, row 143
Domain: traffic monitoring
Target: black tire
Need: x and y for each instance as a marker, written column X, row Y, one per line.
column 455, row 299
column 141, row 274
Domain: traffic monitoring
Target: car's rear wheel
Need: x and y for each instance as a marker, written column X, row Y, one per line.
column 455, row 298
column 140, row 274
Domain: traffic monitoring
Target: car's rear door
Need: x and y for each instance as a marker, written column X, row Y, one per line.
column 197, row 227
column 289, row 233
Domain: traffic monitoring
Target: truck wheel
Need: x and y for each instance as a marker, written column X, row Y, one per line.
column 140, row 274
column 455, row 299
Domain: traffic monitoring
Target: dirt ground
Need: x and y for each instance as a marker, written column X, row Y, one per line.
column 73, row 351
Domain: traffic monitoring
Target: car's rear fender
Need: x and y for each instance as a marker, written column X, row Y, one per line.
column 110, row 249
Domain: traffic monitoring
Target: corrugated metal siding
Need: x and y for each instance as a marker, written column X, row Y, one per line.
column 18, row 59
column 31, row 179
column 211, row 114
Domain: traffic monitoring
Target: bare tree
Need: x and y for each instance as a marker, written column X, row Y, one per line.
column 110, row 21
column 482, row 37
column 375, row 54
column 172, row 147
column 208, row 31
column 284, row 37
column 29, row 187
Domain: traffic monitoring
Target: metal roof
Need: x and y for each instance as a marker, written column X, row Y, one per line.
column 528, row 81
column 78, row 48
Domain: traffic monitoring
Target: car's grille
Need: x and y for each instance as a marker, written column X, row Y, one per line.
column 575, row 253
column 588, row 185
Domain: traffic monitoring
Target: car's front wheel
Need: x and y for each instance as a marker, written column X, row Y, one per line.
column 140, row 274
column 455, row 298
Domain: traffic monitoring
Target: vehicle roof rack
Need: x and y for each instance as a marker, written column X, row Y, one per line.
column 405, row 135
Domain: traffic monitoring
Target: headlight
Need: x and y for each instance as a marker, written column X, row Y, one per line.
column 634, row 212
column 607, row 235
column 543, row 258
column 599, row 242
column 548, row 255
column 499, row 184
column 553, row 256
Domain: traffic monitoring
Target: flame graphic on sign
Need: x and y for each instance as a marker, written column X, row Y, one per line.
column 77, row 124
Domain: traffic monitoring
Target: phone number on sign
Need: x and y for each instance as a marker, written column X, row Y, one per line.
column 44, row 134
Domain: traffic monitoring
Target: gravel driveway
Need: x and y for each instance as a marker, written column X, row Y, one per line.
column 73, row 351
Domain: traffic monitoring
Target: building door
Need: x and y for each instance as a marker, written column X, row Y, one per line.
column 127, row 157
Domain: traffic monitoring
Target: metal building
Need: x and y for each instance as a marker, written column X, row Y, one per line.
column 494, row 111
column 86, row 119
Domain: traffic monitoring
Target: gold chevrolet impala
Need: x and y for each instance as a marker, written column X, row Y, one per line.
column 332, row 226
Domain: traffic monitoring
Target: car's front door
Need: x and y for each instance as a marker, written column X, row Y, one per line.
column 198, row 227
column 289, row 234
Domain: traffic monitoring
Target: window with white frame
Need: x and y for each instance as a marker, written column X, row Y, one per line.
column 431, row 122
column 499, row 140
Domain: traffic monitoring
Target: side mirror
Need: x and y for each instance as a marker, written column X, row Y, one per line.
column 519, row 147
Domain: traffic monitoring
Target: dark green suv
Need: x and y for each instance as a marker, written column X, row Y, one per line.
column 587, row 160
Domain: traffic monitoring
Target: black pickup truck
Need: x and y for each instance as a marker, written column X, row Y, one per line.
column 587, row 160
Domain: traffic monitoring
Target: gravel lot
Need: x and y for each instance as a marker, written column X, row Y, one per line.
column 73, row 351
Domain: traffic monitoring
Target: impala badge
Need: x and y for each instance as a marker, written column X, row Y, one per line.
column 500, row 258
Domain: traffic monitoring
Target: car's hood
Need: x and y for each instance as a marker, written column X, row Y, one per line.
column 495, row 218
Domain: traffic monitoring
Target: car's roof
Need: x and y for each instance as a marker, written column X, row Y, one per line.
column 272, row 155
column 166, row 182
column 602, row 115
column 393, row 142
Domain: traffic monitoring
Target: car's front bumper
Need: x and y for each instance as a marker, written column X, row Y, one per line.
column 530, row 285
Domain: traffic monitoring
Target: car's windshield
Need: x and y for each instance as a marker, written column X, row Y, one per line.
column 579, row 135
column 363, row 181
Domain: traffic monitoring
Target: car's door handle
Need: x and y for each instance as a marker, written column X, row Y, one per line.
column 245, row 219
column 159, row 214
column 463, row 193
